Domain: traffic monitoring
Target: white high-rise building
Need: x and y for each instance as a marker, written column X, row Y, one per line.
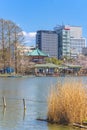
column 70, row 42
column 77, row 42
column 75, row 31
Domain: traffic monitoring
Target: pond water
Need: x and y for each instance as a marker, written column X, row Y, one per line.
column 35, row 91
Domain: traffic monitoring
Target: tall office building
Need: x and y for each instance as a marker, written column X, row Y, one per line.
column 77, row 42
column 76, row 46
column 64, row 41
column 75, row 31
column 70, row 40
column 47, row 41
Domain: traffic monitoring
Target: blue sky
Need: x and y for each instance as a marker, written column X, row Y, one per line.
column 33, row 15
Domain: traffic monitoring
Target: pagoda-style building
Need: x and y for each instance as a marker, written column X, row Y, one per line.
column 37, row 56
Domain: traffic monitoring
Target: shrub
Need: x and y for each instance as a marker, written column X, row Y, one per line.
column 67, row 103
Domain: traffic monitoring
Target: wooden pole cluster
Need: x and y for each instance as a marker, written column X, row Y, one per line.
column 4, row 103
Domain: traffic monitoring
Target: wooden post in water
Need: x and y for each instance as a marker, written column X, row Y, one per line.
column 24, row 104
column 4, row 102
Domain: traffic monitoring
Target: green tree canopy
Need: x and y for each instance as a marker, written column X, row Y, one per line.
column 54, row 61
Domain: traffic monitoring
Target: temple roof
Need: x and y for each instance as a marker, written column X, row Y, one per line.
column 46, row 65
column 36, row 52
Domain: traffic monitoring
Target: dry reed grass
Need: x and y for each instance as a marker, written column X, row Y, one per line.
column 67, row 103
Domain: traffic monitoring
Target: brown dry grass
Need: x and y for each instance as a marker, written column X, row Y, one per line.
column 67, row 103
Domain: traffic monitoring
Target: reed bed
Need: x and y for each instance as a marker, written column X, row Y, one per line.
column 67, row 103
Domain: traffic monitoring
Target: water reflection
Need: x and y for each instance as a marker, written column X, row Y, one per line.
column 10, row 117
column 60, row 127
column 4, row 111
column 24, row 112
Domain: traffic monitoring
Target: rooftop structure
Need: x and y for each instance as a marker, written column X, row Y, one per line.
column 37, row 55
column 36, row 52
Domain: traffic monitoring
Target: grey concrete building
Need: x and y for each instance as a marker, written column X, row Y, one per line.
column 47, row 41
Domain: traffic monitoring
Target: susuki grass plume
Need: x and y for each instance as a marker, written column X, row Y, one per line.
column 67, row 103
